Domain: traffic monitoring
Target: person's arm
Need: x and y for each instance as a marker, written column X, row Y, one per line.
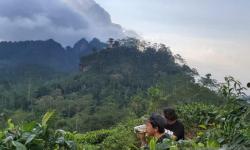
column 179, row 133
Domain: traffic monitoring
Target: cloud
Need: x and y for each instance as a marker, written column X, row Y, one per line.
column 63, row 20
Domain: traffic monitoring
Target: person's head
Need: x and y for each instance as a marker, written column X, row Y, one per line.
column 170, row 114
column 155, row 125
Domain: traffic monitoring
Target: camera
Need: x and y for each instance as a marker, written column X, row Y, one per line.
column 140, row 129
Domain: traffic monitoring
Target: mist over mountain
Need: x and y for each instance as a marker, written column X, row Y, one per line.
column 62, row 20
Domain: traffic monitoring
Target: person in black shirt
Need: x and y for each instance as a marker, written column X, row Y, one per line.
column 173, row 124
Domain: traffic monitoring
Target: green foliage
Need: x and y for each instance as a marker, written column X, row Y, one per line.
column 232, row 89
column 35, row 136
column 198, row 115
column 123, row 137
column 211, row 127
column 93, row 137
column 214, row 127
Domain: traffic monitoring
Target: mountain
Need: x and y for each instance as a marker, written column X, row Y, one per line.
column 116, row 82
column 45, row 56
column 112, row 81
column 83, row 47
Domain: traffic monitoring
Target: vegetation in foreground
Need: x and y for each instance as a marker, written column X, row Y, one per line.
column 207, row 126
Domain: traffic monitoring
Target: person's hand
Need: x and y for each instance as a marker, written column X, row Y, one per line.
column 142, row 138
column 173, row 137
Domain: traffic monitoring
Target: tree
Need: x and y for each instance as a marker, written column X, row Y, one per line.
column 208, row 82
column 179, row 59
column 110, row 43
column 232, row 89
column 116, row 44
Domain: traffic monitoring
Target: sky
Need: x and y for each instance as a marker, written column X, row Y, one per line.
column 211, row 35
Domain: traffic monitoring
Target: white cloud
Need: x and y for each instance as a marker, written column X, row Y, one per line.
column 64, row 20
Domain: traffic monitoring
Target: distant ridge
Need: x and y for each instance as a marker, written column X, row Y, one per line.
column 47, row 54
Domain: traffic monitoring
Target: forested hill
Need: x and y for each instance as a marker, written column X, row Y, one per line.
column 113, row 84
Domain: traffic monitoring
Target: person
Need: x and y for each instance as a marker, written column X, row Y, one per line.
column 154, row 127
column 173, row 124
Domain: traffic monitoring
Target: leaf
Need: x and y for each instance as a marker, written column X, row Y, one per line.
column 200, row 145
column 19, row 146
column 27, row 127
column 212, row 144
column 8, row 139
column 10, row 124
column 221, row 140
column 152, row 144
column 60, row 132
column 60, row 140
column 30, row 138
column 71, row 145
column 46, row 117
column 203, row 126
column 1, row 135
column 38, row 142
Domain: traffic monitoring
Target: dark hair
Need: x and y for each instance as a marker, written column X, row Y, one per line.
column 170, row 114
column 157, row 121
